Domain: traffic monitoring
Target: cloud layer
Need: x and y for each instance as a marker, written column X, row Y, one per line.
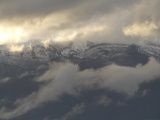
column 65, row 78
column 91, row 20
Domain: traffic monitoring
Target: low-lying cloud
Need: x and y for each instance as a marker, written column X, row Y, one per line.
column 66, row 78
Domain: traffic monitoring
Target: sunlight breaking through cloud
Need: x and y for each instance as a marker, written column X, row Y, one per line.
column 144, row 29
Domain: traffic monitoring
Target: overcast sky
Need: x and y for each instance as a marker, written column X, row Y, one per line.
column 113, row 21
column 127, row 21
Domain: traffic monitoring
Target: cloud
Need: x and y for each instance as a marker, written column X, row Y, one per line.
column 145, row 21
column 16, row 48
column 147, row 11
column 9, row 34
column 36, row 8
column 23, row 75
column 145, row 29
column 89, row 20
column 65, row 78
column 4, row 80
column 77, row 109
column 104, row 100
column 145, row 92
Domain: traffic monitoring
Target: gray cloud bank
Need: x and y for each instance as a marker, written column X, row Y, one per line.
column 35, row 8
column 129, row 21
column 65, row 78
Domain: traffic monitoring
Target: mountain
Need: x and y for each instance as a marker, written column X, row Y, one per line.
column 82, row 81
column 86, row 55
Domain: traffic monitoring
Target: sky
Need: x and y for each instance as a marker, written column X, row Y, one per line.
column 116, row 21
column 61, row 90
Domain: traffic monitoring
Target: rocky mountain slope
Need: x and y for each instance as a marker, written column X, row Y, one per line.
column 19, row 72
column 86, row 55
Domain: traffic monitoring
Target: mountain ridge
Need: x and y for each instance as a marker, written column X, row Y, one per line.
column 85, row 54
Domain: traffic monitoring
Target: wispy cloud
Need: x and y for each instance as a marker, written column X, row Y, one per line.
column 4, row 80
column 23, row 75
column 104, row 100
column 77, row 109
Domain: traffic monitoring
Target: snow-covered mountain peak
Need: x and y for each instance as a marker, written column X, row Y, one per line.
column 85, row 52
column 81, row 46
